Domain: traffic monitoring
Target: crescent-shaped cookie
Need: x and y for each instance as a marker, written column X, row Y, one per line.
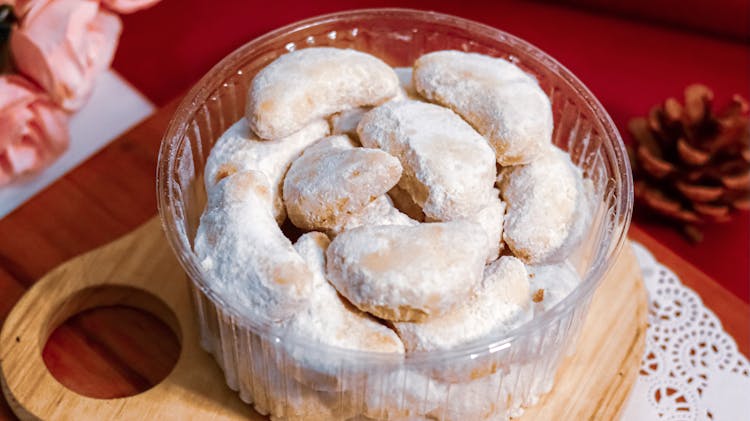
column 380, row 211
column 547, row 203
column 238, row 149
column 449, row 169
column 496, row 306
column 408, row 273
column 503, row 103
column 304, row 85
column 332, row 180
column 345, row 122
column 331, row 320
column 244, row 254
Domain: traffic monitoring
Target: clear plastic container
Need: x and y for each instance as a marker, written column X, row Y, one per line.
column 293, row 378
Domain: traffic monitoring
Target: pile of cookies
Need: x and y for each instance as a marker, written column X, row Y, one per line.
column 435, row 212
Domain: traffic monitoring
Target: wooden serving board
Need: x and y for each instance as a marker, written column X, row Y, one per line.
column 139, row 270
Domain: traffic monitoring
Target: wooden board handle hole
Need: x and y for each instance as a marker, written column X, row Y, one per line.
column 140, row 346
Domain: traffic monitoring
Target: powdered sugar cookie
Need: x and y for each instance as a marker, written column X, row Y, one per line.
column 547, row 204
column 244, row 254
column 491, row 218
column 402, row 394
column 345, row 122
column 493, row 397
column 279, row 395
column 550, row 284
column 503, row 103
column 496, row 306
column 481, row 399
column 331, row 320
column 380, row 211
column 238, row 149
column 304, row 85
column 332, row 180
column 408, row 273
column 448, row 167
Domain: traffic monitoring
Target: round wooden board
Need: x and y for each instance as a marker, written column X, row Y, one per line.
column 593, row 383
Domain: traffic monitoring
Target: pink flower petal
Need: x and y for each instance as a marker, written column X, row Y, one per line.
column 108, row 27
column 14, row 125
column 128, row 6
column 23, row 158
column 63, row 45
column 53, row 124
column 16, row 92
column 33, row 129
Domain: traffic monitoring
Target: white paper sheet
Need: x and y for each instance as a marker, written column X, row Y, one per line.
column 114, row 107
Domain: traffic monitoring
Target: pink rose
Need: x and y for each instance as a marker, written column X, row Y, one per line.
column 33, row 130
column 128, row 6
column 63, row 45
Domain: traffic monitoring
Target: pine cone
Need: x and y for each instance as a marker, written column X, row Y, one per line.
column 691, row 165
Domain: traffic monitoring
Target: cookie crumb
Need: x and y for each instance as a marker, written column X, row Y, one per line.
column 538, row 296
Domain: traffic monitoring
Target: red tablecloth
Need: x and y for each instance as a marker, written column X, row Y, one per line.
column 629, row 65
column 724, row 18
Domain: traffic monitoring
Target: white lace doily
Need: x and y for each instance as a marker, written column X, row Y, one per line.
column 691, row 368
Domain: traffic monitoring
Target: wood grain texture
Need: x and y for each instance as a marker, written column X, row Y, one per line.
column 593, row 383
column 145, row 352
column 138, row 270
column 77, row 214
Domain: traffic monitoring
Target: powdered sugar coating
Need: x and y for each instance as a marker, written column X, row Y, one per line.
column 329, row 319
column 345, row 122
column 304, row 85
column 333, row 180
column 449, row 169
column 544, row 201
column 408, row 273
column 243, row 253
column 461, row 392
column 475, row 400
column 289, row 400
column 402, row 394
column 496, row 306
column 238, row 149
column 380, row 211
column 503, row 103
column 557, row 281
column 491, row 218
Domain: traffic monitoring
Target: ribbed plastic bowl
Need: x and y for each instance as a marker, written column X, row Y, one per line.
column 293, row 378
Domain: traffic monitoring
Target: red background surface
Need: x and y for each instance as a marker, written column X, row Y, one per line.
column 627, row 56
